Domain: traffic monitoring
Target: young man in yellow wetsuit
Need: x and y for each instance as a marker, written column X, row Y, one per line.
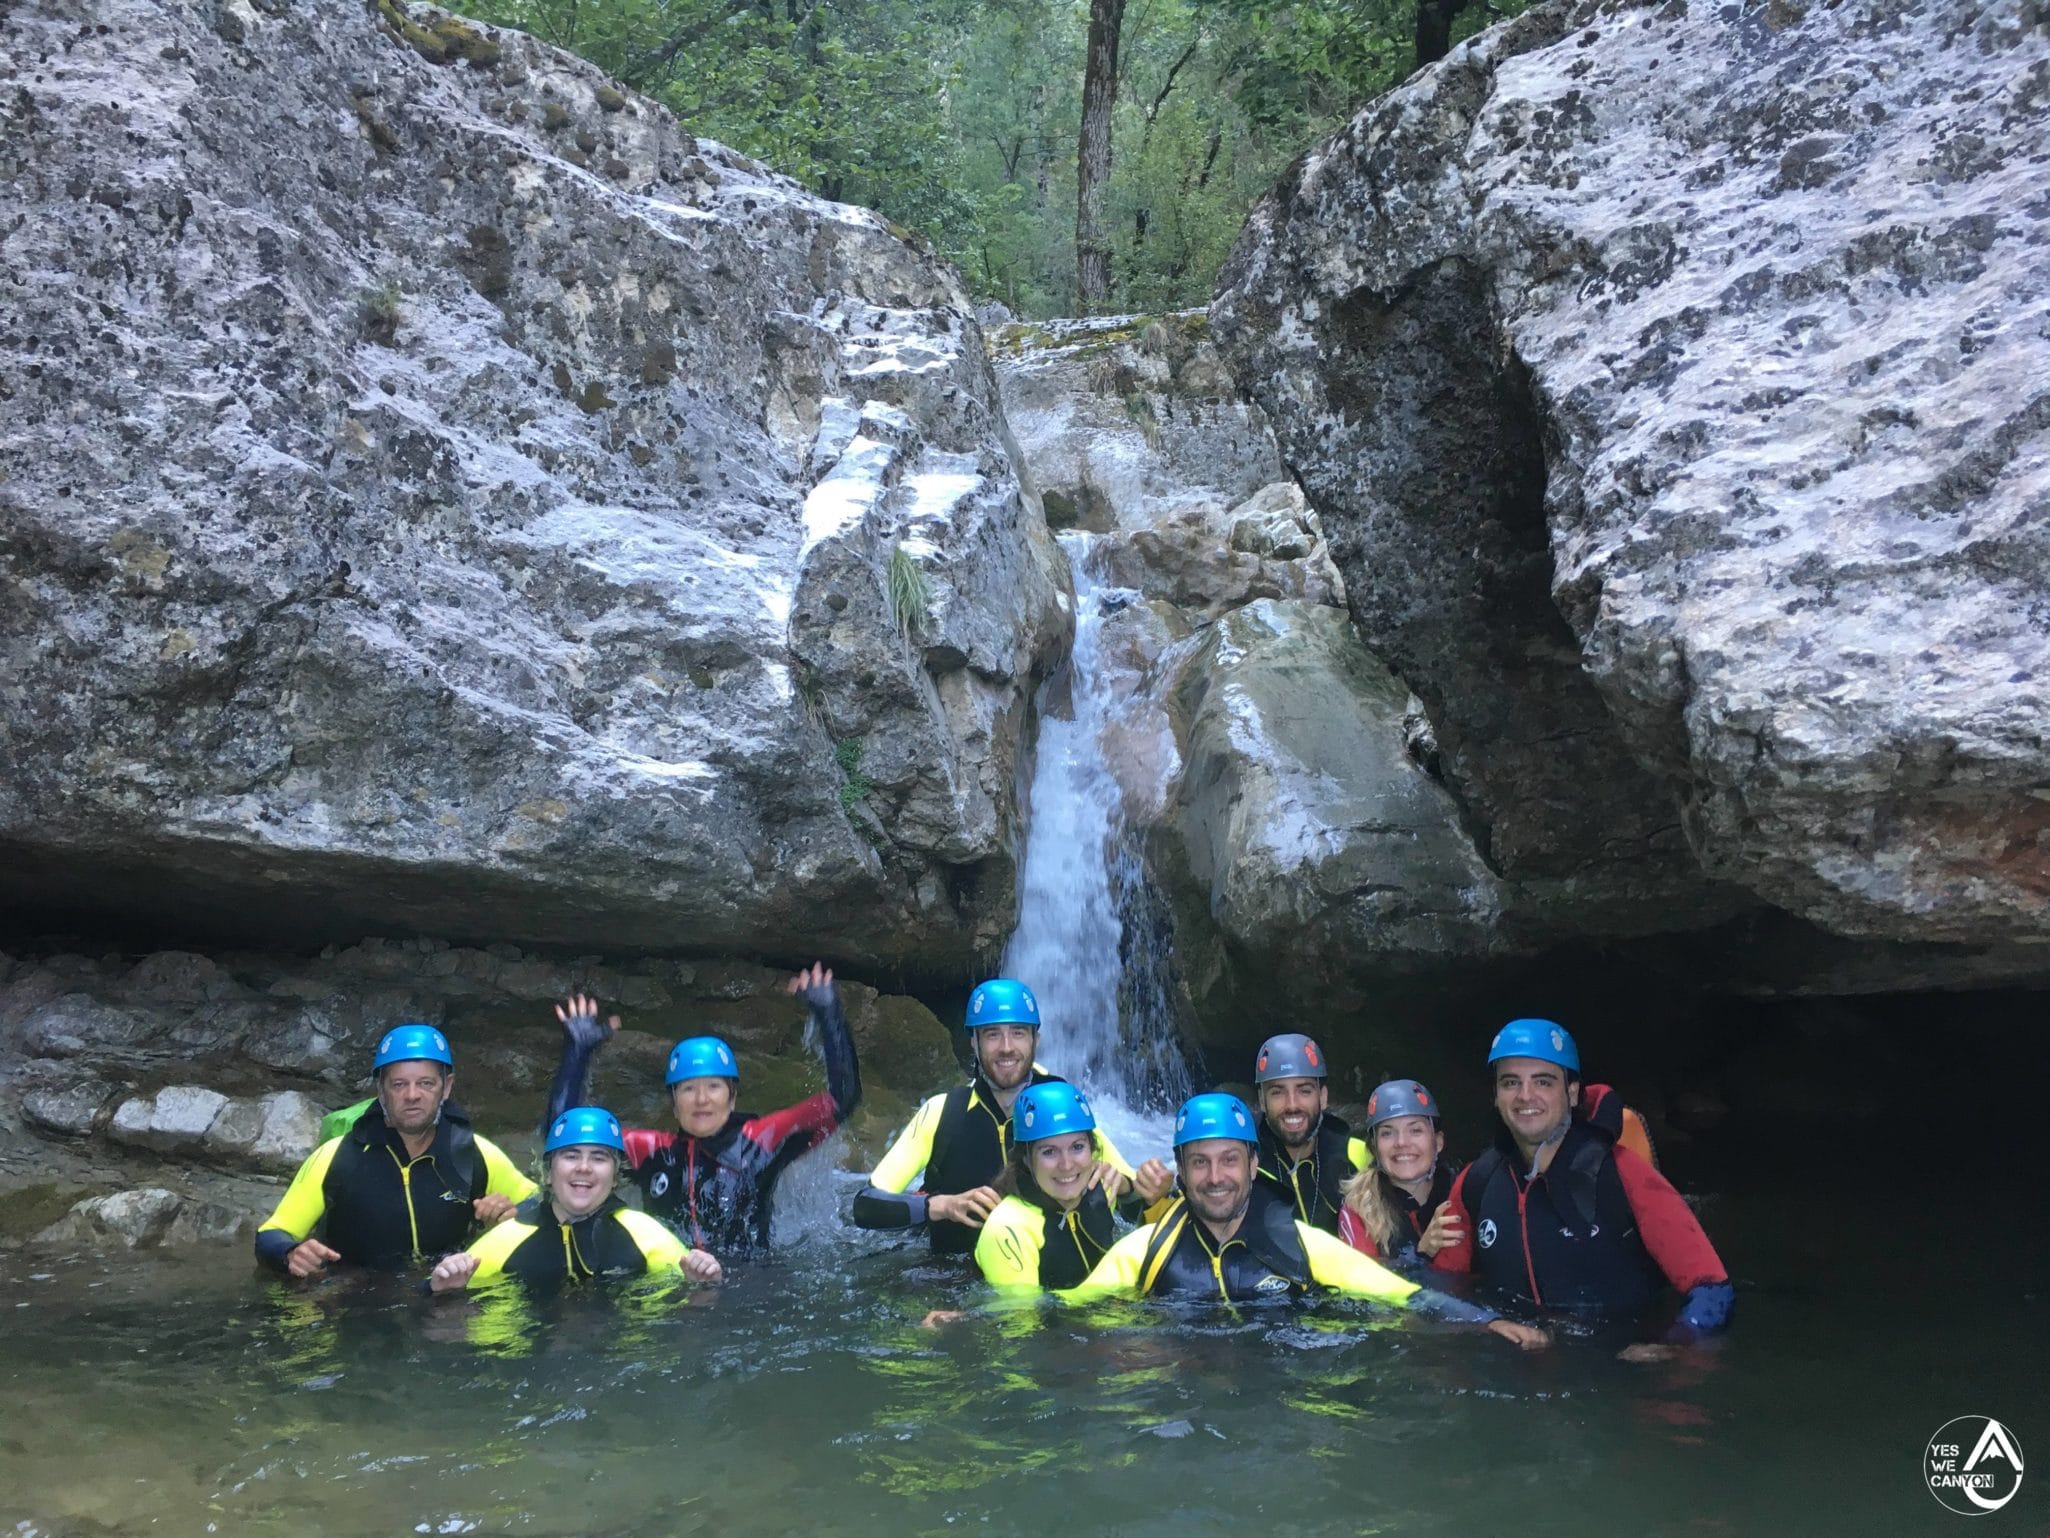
column 1305, row 1152
column 1233, row 1238
column 408, row 1179
column 959, row 1141
column 579, row 1227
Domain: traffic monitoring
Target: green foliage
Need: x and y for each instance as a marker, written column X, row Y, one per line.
column 959, row 121
column 910, row 593
column 378, row 311
column 854, row 785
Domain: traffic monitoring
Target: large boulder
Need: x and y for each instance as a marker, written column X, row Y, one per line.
column 1305, row 848
column 442, row 494
column 1674, row 384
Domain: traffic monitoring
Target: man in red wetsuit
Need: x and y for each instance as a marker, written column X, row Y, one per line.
column 713, row 1180
column 1561, row 1215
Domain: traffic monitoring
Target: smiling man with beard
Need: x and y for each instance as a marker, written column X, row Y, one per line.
column 1305, row 1152
column 958, row 1141
column 1235, row 1238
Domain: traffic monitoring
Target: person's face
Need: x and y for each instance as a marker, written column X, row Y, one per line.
column 1292, row 1107
column 1061, row 1165
column 411, row 1094
column 702, row 1105
column 1533, row 1098
column 1407, row 1148
column 581, row 1177
column 1217, row 1178
column 1004, row 1053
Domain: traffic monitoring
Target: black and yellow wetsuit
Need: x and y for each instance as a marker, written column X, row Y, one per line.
column 1029, row 1242
column 1312, row 1182
column 1272, row 1255
column 378, row 1206
column 613, row 1241
column 958, row 1141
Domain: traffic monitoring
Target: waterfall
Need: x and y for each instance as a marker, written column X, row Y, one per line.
column 1090, row 939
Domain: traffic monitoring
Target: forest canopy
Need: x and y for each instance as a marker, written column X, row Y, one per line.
column 1071, row 156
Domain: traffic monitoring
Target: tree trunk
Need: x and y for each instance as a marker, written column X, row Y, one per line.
column 1434, row 20
column 1092, row 162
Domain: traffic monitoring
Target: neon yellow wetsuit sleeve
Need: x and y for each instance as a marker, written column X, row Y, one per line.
column 305, row 1200
column 664, row 1251
column 495, row 1246
column 502, row 1177
column 1337, row 1265
column 1008, row 1248
column 1117, row 1274
column 908, row 1156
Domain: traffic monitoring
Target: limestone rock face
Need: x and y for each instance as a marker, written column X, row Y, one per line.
column 441, row 494
column 1122, row 416
column 1674, row 384
column 1306, row 848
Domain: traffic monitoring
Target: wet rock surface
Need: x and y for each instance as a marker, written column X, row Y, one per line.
column 1672, row 383
column 1304, row 846
column 442, row 494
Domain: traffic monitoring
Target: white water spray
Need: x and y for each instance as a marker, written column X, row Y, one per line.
column 1080, row 942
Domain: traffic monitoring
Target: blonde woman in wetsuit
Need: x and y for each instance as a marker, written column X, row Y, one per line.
column 1394, row 1209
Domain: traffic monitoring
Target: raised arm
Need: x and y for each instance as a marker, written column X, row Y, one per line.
column 582, row 1036
column 836, row 1042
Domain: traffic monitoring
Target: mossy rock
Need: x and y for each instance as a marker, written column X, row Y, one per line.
column 27, row 1210
column 609, row 99
column 442, row 40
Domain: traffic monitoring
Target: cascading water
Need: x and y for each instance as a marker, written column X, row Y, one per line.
column 1085, row 941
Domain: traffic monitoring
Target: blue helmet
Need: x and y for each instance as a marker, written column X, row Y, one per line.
column 586, row 1124
column 1544, row 1040
column 412, row 1044
column 1213, row 1115
column 1399, row 1097
column 701, row 1057
column 1001, row 1001
column 1049, row 1110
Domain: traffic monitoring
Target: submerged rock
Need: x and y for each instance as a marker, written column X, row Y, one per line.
column 146, row 1218
column 441, row 494
column 1672, row 384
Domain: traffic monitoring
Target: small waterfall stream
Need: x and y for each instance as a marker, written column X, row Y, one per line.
column 1085, row 941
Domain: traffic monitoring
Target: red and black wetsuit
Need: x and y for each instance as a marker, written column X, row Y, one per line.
column 717, row 1192
column 1600, row 1230
column 1416, row 1216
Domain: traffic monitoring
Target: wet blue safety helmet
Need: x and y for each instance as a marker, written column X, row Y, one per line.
column 701, row 1057
column 1399, row 1097
column 1544, row 1040
column 1049, row 1110
column 585, row 1125
column 411, row 1044
column 1213, row 1115
column 1001, row 1001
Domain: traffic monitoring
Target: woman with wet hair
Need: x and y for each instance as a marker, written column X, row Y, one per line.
column 1394, row 1209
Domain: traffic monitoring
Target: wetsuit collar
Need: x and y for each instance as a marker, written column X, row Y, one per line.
column 986, row 1092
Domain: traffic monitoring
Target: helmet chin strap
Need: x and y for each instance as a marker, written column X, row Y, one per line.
column 1538, row 1152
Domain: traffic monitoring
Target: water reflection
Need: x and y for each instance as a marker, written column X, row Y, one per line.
column 190, row 1395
